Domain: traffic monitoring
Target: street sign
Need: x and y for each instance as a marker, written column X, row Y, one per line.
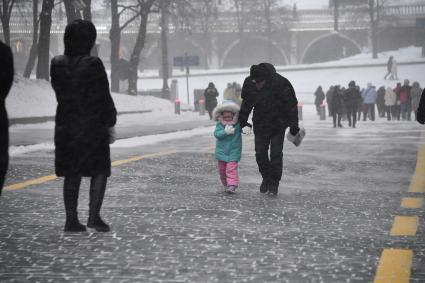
column 420, row 22
column 182, row 61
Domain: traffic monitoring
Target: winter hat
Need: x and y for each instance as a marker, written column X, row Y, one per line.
column 226, row 106
column 258, row 72
column 352, row 84
column 79, row 37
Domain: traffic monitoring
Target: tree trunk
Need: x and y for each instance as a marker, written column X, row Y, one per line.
column 5, row 12
column 269, row 30
column 71, row 13
column 6, row 31
column 33, row 52
column 115, row 37
column 44, row 40
column 373, row 28
column 87, row 11
column 135, row 55
column 164, row 47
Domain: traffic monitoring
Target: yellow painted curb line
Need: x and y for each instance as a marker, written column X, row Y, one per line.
column 394, row 266
column 412, row 202
column 405, row 226
column 48, row 178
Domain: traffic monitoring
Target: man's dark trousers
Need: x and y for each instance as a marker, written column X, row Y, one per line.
column 270, row 167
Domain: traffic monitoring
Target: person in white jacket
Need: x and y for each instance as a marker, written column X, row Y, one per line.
column 390, row 99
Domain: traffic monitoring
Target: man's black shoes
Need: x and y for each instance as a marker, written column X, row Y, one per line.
column 264, row 187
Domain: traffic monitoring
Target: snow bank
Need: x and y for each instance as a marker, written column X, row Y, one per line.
column 36, row 98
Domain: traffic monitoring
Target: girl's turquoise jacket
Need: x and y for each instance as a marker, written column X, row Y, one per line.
column 228, row 147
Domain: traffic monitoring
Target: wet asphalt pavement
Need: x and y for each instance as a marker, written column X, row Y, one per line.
column 172, row 222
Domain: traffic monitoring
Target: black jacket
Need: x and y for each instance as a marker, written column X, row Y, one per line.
column 275, row 105
column 210, row 95
column 352, row 97
column 421, row 109
column 6, row 79
column 84, row 114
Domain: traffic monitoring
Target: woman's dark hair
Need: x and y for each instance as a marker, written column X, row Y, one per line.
column 79, row 38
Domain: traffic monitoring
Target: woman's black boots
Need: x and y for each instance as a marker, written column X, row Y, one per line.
column 97, row 192
column 71, row 189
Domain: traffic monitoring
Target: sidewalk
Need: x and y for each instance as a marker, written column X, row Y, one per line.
column 142, row 125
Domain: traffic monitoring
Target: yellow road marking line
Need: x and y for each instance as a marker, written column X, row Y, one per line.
column 394, row 266
column 405, row 226
column 48, row 178
column 37, row 181
column 412, row 202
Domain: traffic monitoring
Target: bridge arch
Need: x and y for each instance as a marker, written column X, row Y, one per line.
column 234, row 47
column 326, row 49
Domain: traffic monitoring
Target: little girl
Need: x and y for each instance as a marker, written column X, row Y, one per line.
column 229, row 144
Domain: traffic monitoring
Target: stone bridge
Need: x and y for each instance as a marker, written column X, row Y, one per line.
column 306, row 37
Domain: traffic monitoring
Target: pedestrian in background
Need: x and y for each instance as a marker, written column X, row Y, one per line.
column 405, row 101
column 275, row 109
column 6, row 80
column 352, row 97
column 329, row 95
column 415, row 94
column 84, row 117
column 319, row 97
column 394, row 70
column 397, row 105
column 421, row 109
column 360, row 106
column 389, row 67
column 336, row 106
column 390, row 103
column 210, row 95
column 380, row 101
column 228, row 147
column 369, row 98
column 231, row 94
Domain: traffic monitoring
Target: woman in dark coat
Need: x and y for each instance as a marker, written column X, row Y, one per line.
column 6, row 79
column 320, row 96
column 210, row 95
column 336, row 106
column 84, row 117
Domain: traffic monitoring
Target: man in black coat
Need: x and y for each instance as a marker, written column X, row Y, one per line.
column 6, row 79
column 275, row 108
column 84, row 117
column 352, row 98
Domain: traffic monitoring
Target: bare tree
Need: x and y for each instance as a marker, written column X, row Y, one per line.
column 165, row 11
column 115, row 37
column 145, row 7
column 44, row 40
column 375, row 10
column 5, row 13
column 34, row 47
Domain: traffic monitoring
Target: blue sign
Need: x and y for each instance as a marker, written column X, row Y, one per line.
column 420, row 22
column 181, row 61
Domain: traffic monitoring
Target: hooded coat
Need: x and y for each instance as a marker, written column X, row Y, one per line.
column 210, row 95
column 228, row 147
column 85, row 109
column 6, row 79
column 275, row 105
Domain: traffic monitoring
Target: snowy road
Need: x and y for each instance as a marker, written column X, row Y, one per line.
column 171, row 222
